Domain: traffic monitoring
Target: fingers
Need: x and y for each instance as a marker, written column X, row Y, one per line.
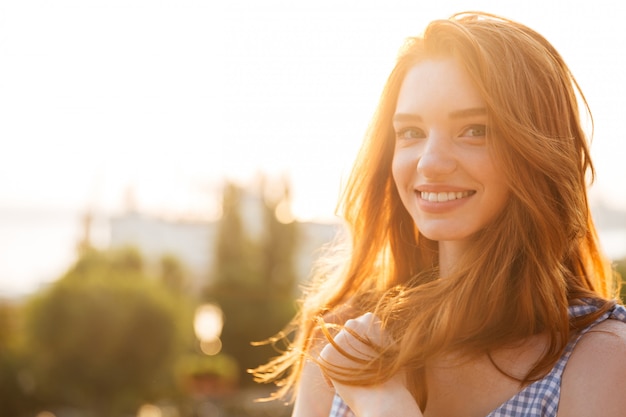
column 359, row 342
column 368, row 328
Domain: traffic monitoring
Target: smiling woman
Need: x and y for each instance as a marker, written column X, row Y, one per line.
column 442, row 166
column 474, row 273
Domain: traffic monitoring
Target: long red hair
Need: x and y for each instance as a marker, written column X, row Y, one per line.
column 539, row 256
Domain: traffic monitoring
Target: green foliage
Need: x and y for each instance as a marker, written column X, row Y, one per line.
column 249, row 318
column 13, row 386
column 279, row 249
column 237, row 258
column 172, row 274
column 620, row 267
column 220, row 366
column 253, row 280
column 104, row 337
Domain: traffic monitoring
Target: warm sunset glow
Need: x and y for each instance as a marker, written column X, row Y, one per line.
column 211, row 347
column 208, row 322
column 171, row 97
column 283, row 212
column 149, row 410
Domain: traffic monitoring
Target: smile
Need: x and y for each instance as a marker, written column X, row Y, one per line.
column 445, row 196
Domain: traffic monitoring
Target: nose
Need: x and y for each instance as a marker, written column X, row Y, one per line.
column 437, row 157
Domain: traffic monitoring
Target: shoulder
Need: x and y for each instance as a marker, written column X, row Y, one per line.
column 595, row 376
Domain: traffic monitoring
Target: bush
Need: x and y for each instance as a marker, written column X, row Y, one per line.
column 104, row 337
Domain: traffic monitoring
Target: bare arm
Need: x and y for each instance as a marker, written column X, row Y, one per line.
column 595, row 376
column 314, row 397
column 390, row 399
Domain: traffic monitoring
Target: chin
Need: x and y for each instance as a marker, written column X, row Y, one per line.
column 443, row 235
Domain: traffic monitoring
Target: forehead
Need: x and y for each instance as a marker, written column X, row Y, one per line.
column 437, row 85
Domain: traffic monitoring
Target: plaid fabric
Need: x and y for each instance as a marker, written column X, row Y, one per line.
column 541, row 398
column 339, row 408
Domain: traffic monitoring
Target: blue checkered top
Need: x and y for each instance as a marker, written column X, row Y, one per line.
column 541, row 398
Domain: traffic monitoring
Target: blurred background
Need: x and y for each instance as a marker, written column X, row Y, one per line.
column 169, row 172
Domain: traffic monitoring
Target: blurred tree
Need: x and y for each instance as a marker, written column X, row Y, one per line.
column 237, row 256
column 280, row 240
column 105, row 336
column 620, row 268
column 8, row 324
column 14, row 388
column 253, row 279
column 172, row 274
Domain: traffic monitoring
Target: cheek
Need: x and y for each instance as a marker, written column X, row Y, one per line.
column 506, row 195
column 486, row 168
column 494, row 180
column 403, row 178
column 400, row 180
column 499, row 192
column 402, row 168
column 395, row 170
column 501, row 182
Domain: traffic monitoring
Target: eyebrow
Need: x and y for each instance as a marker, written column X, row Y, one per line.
column 457, row 114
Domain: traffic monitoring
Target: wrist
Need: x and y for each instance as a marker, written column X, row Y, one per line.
column 386, row 400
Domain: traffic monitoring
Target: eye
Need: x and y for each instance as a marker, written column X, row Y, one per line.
column 474, row 131
column 410, row 133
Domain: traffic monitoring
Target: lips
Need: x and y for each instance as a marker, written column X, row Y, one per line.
column 443, row 196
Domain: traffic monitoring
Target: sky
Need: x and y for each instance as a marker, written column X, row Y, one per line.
column 164, row 99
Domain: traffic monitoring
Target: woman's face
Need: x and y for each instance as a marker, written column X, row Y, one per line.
column 442, row 167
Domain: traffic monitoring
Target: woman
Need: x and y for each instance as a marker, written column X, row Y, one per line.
column 474, row 273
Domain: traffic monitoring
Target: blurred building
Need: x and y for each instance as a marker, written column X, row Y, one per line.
column 611, row 224
column 192, row 242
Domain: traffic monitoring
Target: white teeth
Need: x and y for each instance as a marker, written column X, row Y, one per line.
column 444, row 196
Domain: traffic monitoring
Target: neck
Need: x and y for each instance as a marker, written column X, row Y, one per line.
column 450, row 252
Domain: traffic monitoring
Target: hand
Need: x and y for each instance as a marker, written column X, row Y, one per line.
column 360, row 341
